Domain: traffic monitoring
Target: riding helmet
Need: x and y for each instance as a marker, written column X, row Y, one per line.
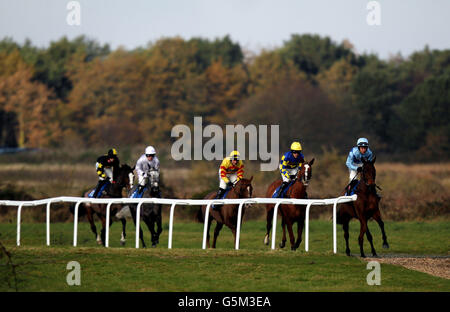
column 363, row 142
column 296, row 146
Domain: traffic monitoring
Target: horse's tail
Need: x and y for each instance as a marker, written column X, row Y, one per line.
column 81, row 210
column 199, row 216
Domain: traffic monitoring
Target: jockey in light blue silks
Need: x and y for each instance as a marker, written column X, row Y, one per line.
column 355, row 158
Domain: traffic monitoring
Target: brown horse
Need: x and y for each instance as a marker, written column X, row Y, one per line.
column 364, row 208
column 124, row 178
column 227, row 214
column 290, row 213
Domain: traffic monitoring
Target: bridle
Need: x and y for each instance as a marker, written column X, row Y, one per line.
column 304, row 177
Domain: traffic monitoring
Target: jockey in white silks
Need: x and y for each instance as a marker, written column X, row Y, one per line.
column 147, row 169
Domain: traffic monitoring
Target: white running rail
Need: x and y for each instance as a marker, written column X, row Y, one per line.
column 173, row 202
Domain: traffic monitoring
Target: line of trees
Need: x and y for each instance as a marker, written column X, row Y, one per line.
column 81, row 93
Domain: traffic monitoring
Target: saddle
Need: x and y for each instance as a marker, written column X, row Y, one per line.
column 353, row 185
column 275, row 194
column 137, row 194
column 228, row 189
column 100, row 192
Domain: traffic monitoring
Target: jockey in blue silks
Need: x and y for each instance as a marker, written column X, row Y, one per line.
column 289, row 165
column 355, row 158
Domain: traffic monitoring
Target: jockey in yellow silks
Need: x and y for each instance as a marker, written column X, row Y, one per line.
column 230, row 172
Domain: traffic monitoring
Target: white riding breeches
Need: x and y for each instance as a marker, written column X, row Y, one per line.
column 352, row 175
column 292, row 172
column 109, row 174
column 232, row 177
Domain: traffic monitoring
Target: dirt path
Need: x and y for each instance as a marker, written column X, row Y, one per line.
column 435, row 265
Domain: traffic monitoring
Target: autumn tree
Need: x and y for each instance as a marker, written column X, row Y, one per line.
column 32, row 104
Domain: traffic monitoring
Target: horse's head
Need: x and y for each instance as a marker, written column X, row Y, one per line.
column 244, row 188
column 125, row 176
column 368, row 173
column 305, row 173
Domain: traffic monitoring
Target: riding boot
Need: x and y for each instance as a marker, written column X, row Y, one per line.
column 283, row 187
column 219, row 195
column 350, row 187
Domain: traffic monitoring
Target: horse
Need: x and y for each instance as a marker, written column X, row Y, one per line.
column 150, row 213
column 290, row 213
column 227, row 214
column 125, row 178
column 365, row 207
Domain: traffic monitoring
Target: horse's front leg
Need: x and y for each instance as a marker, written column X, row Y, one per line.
column 90, row 217
column 377, row 217
column 346, row 236
column 150, row 222
column 207, row 232
column 124, row 234
column 216, row 233
column 103, row 231
column 291, row 234
column 133, row 215
column 283, row 238
column 158, row 224
column 300, row 225
column 369, row 238
column 269, row 220
column 362, row 231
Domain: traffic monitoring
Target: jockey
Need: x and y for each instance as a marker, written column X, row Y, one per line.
column 106, row 166
column 147, row 169
column 354, row 160
column 230, row 172
column 289, row 165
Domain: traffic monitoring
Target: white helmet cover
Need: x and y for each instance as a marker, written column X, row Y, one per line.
column 150, row 150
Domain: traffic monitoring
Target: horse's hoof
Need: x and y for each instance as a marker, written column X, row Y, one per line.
column 266, row 240
column 348, row 253
column 99, row 243
column 122, row 243
column 374, row 255
column 153, row 245
column 386, row 246
column 363, row 255
column 282, row 244
column 293, row 248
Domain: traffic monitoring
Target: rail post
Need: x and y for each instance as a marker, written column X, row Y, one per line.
column 19, row 211
column 172, row 210
column 108, row 212
column 48, row 221
column 138, row 222
column 308, row 207
column 239, row 221
column 205, row 226
column 75, row 221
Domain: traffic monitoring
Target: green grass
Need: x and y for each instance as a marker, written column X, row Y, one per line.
column 189, row 268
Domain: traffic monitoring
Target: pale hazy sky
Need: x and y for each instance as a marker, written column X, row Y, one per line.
column 406, row 25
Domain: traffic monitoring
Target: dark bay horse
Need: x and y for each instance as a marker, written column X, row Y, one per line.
column 227, row 214
column 365, row 207
column 290, row 213
column 124, row 179
column 150, row 214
